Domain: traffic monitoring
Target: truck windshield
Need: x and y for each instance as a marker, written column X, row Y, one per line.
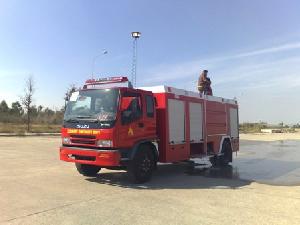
column 96, row 105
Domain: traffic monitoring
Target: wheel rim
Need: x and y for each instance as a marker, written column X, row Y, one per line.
column 145, row 165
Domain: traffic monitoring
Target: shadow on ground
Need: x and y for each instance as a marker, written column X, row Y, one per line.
column 272, row 163
column 177, row 176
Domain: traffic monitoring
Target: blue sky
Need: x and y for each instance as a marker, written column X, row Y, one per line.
column 251, row 48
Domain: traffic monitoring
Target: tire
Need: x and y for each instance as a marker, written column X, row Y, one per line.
column 213, row 160
column 141, row 167
column 226, row 158
column 87, row 170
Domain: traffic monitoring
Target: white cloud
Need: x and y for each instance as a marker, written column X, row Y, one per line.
column 256, row 77
column 274, row 49
column 239, row 70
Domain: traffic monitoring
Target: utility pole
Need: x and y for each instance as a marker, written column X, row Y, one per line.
column 135, row 36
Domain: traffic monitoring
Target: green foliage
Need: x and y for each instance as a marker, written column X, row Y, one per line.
column 296, row 125
column 39, row 115
column 3, row 107
column 16, row 109
column 21, row 129
column 256, row 127
column 252, row 127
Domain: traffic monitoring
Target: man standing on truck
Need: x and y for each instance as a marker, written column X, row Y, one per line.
column 204, row 83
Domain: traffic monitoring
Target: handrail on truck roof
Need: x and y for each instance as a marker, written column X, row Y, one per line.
column 182, row 92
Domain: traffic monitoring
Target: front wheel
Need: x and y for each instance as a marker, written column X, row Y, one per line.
column 87, row 170
column 141, row 167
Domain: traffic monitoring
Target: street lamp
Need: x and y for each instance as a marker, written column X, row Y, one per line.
column 104, row 52
column 135, row 35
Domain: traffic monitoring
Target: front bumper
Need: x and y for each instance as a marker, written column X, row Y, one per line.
column 90, row 156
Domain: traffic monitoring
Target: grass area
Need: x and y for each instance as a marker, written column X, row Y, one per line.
column 35, row 128
column 256, row 128
column 251, row 130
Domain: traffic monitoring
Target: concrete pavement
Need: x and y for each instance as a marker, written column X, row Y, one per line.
column 37, row 188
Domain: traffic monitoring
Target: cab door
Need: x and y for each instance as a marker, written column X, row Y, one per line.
column 132, row 128
column 149, row 116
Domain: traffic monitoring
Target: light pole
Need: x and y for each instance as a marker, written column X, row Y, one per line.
column 135, row 35
column 104, row 52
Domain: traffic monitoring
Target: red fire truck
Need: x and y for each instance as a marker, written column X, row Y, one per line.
column 109, row 124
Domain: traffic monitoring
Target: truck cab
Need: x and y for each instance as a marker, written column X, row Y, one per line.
column 108, row 124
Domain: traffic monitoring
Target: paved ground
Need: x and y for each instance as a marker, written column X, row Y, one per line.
column 36, row 188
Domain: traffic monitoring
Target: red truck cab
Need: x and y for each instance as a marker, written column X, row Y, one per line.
column 108, row 124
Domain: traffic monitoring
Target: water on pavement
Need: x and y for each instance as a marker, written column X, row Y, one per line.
column 276, row 163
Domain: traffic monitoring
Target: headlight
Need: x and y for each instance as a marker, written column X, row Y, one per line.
column 66, row 140
column 104, row 143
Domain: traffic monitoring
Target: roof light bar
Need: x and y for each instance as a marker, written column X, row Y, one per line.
column 106, row 80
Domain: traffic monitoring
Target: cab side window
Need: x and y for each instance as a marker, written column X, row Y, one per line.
column 135, row 107
column 149, row 106
column 131, row 107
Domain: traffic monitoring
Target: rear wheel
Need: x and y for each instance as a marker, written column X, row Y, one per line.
column 226, row 156
column 141, row 167
column 87, row 170
column 214, row 160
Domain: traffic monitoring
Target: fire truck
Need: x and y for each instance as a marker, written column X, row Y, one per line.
column 109, row 124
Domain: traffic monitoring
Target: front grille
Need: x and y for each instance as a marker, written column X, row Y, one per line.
column 81, row 141
column 83, row 136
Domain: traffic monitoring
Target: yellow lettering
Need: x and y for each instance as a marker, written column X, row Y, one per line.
column 130, row 131
column 72, row 131
column 78, row 131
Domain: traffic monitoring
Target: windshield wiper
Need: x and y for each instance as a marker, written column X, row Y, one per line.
column 88, row 119
column 71, row 120
column 83, row 117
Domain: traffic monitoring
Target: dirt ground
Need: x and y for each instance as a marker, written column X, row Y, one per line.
column 270, row 137
column 37, row 188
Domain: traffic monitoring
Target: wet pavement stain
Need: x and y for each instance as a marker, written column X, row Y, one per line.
column 275, row 163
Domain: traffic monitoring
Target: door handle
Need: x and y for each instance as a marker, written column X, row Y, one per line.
column 141, row 125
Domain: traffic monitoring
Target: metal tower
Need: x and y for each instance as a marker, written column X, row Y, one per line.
column 135, row 36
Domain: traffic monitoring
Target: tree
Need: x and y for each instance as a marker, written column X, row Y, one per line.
column 49, row 112
column 4, row 112
column 40, row 109
column 281, row 125
column 33, row 111
column 296, row 125
column 4, row 107
column 27, row 99
column 16, row 109
column 72, row 88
